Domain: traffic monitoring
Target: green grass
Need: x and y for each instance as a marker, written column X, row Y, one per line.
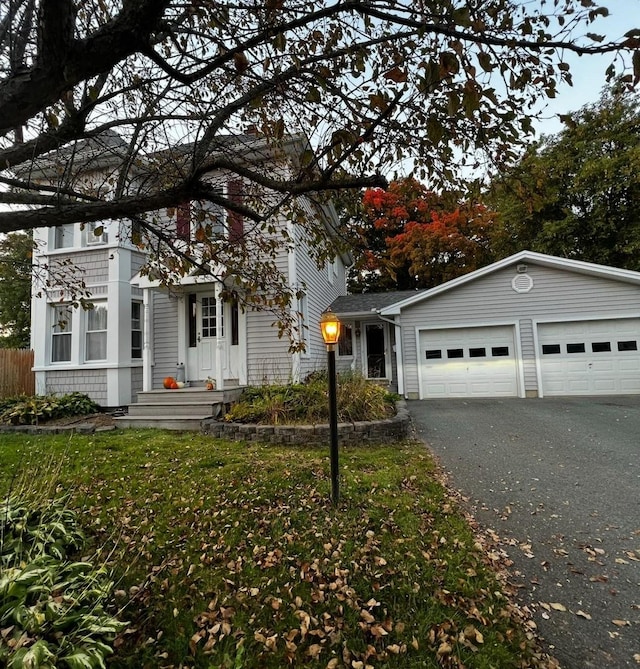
column 231, row 555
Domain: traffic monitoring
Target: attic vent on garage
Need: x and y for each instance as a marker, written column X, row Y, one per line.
column 522, row 283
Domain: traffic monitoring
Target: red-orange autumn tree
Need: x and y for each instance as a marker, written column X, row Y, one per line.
column 409, row 237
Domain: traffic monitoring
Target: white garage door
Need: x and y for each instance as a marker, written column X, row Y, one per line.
column 468, row 362
column 590, row 357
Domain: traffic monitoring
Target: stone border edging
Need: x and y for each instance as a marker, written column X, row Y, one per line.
column 350, row 434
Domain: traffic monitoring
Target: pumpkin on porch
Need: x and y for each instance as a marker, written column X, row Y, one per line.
column 168, row 382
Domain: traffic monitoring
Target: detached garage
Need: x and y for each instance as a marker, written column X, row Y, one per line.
column 530, row 325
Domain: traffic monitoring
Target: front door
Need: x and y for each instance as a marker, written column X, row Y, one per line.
column 203, row 324
column 209, row 333
column 375, row 354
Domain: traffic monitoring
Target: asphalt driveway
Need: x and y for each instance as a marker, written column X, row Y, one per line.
column 558, row 480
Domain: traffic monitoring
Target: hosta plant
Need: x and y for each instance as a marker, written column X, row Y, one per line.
column 53, row 610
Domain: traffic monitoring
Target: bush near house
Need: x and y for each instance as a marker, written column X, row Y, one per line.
column 24, row 410
column 307, row 403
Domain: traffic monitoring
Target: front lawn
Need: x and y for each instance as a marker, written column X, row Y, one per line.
column 230, row 555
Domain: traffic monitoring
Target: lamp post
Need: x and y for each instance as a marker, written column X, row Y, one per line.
column 330, row 327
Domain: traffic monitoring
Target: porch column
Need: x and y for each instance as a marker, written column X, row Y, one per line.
column 219, row 340
column 399, row 362
column 147, row 344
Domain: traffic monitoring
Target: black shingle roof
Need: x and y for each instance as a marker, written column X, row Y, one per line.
column 367, row 302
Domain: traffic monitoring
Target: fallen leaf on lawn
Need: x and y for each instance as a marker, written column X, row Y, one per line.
column 556, row 606
column 332, row 664
column 314, row 650
column 636, row 657
column 366, row 616
column 621, row 623
column 621, row 561
column 444, row 649
column 584, row 615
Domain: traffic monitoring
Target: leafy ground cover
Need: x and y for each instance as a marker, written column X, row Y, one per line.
column 230, row 555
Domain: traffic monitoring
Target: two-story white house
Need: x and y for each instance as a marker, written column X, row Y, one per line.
column 139, row 331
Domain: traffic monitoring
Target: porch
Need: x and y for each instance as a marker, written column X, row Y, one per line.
column 181, row 409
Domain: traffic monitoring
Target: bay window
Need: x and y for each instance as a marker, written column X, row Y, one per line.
column 96, row 333
column 61, row 334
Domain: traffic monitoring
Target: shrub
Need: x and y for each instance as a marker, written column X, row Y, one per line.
column 39, row 408
column 52, row 609
column 357, row 399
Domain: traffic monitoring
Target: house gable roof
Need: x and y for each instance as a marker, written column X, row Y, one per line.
column 577, row 266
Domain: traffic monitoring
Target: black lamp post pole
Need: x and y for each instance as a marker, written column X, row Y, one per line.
column 333, row 423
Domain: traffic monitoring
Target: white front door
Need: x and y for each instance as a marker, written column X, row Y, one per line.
column 202, row 335
column 215, row 336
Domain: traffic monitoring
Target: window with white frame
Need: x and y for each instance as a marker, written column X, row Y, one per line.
column 136, row 330
column 345, row 343
column 63, row 236
column 96, row 333
column 332, row 270
column 95, row 233
column 303, row 320
column 61, row 333
column 200, row 220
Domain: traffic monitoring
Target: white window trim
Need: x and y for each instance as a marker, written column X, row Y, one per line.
column 139, row 329
column 87, row 332
column 351, row 355
column 67, row 333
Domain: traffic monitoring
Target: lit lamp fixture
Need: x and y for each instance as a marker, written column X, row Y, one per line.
column 330, row 328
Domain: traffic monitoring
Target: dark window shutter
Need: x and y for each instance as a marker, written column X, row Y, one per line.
column 236, row 220
column 183, row 225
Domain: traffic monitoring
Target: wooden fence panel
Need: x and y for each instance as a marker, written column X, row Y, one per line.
column 16, row 376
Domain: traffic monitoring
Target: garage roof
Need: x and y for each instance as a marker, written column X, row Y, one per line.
column 579, row 266
column 362, row 304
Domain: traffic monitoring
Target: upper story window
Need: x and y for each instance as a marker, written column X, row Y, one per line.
column 91, row 234
column 95, row 233
column 202, row 219
column 63, row 236
column 332, row 270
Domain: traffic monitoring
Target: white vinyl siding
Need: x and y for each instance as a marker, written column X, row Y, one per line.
column 598, row 357
column 165, row 339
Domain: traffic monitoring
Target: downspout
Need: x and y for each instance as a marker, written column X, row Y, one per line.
column 398, row 351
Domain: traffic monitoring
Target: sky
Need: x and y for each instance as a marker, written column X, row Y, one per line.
column 589, row 71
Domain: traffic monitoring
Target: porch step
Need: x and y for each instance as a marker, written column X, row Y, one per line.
column 181, row 409
column 196, row 395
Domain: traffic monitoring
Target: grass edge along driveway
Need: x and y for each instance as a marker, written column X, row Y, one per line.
column 230, row 554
